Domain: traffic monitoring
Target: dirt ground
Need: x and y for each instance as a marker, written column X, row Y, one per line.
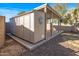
column 12, row 48
column 66, row 44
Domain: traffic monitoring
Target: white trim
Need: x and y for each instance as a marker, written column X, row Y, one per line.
column 40, row 7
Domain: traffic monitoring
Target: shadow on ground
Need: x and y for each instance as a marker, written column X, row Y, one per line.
column 53, row 48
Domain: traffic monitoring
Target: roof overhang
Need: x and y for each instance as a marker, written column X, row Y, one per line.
column 48, row 7
column 41, row 7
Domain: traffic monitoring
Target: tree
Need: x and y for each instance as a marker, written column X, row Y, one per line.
column 22, row 12
column 71, row 17
column 60, row 8
column 67, row 19
column 75, row 14
column 72, row 20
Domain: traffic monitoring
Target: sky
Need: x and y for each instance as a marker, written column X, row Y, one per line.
column 12, row 9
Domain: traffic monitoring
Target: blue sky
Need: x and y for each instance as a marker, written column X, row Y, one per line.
column 11, row 9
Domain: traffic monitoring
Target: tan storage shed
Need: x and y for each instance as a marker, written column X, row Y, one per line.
column 29, row 26
column 36, row 25
column 2, row 30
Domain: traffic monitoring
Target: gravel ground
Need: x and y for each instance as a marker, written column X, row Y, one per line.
column 57, row 46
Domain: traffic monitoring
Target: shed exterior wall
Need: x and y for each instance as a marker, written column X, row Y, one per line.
column 28, row 26
column 39, row 24
column 28, row 29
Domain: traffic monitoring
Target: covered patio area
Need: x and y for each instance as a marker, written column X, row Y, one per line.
column 50, row 14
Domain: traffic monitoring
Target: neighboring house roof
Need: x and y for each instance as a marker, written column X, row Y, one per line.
column 40, row 7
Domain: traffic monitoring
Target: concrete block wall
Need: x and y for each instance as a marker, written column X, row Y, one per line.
column 2, row 31
column 7, row 27
column 64, row 28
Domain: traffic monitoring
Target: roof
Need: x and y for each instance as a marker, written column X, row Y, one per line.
column 40, row 7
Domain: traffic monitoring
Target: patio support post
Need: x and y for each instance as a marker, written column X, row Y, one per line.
column 59, row 24
column 45, row 11
column 51, row 26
